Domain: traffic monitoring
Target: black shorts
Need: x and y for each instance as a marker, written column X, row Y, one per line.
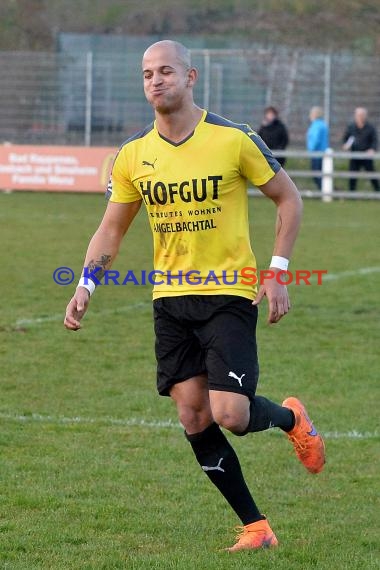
column 206, row 334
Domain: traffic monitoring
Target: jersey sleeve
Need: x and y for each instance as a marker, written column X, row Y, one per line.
column 120, row 188
column 257, row 163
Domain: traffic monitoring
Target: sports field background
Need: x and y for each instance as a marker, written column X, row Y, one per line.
column 95, row 472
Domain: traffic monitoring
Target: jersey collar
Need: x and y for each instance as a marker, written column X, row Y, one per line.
column 201, row 120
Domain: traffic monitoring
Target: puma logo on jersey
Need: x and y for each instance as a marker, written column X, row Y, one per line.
column 233, row 375
column 146, row 163
column 216, row 468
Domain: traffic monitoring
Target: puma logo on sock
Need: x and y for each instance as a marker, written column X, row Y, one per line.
column 216, row 468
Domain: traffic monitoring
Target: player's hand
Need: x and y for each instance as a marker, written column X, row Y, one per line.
column 277, row 295
column 76, row 309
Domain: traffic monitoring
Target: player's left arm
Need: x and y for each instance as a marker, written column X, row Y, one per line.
column 282, row 190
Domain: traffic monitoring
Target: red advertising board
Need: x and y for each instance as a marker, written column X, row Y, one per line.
column 55, row 168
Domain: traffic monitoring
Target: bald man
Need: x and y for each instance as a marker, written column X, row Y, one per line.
column 361, row 136
column 190, row 169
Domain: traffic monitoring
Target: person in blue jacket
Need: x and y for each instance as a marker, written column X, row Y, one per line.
column 317, row 139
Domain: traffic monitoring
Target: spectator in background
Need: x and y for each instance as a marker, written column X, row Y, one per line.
column 317, row 140
column 273, row 132
column 361, row 136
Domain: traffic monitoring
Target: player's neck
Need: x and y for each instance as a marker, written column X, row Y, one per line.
column 180, row 124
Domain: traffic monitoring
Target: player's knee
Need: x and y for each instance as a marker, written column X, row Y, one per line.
column 234, row 423
column 194, row 420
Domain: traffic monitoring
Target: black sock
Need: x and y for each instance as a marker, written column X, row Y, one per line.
column 265, row 414
column 220, row 463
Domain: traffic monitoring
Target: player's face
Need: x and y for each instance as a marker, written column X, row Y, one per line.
column 166, row 80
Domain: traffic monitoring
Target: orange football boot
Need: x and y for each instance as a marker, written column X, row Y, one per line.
column 308, row 444
column 253, row 536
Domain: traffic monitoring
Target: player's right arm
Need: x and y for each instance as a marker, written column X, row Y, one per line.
column 101, row 252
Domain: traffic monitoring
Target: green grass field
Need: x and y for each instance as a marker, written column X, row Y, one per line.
column 95, row 471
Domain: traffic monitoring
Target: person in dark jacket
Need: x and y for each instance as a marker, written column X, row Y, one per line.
column 361, row 136
column 274, row 133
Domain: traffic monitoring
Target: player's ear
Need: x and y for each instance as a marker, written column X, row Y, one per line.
column 192, row 76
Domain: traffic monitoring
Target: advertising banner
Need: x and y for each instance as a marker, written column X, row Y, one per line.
column 55, row 168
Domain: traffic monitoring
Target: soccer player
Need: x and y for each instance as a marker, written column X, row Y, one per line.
column 190, row 170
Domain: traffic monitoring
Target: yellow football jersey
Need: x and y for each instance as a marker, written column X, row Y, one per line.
column 195, row 193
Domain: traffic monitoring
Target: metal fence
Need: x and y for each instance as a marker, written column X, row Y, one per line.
column 333, row 176
column 95, row 97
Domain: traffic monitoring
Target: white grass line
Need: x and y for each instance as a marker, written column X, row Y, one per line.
column 151, row 424
column 352, row 434
column 342, row 274
column 353, row 273
column 104, row 421
column 94, row 313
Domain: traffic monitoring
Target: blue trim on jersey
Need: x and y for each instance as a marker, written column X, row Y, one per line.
column 139, row 135
column 214, row 119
